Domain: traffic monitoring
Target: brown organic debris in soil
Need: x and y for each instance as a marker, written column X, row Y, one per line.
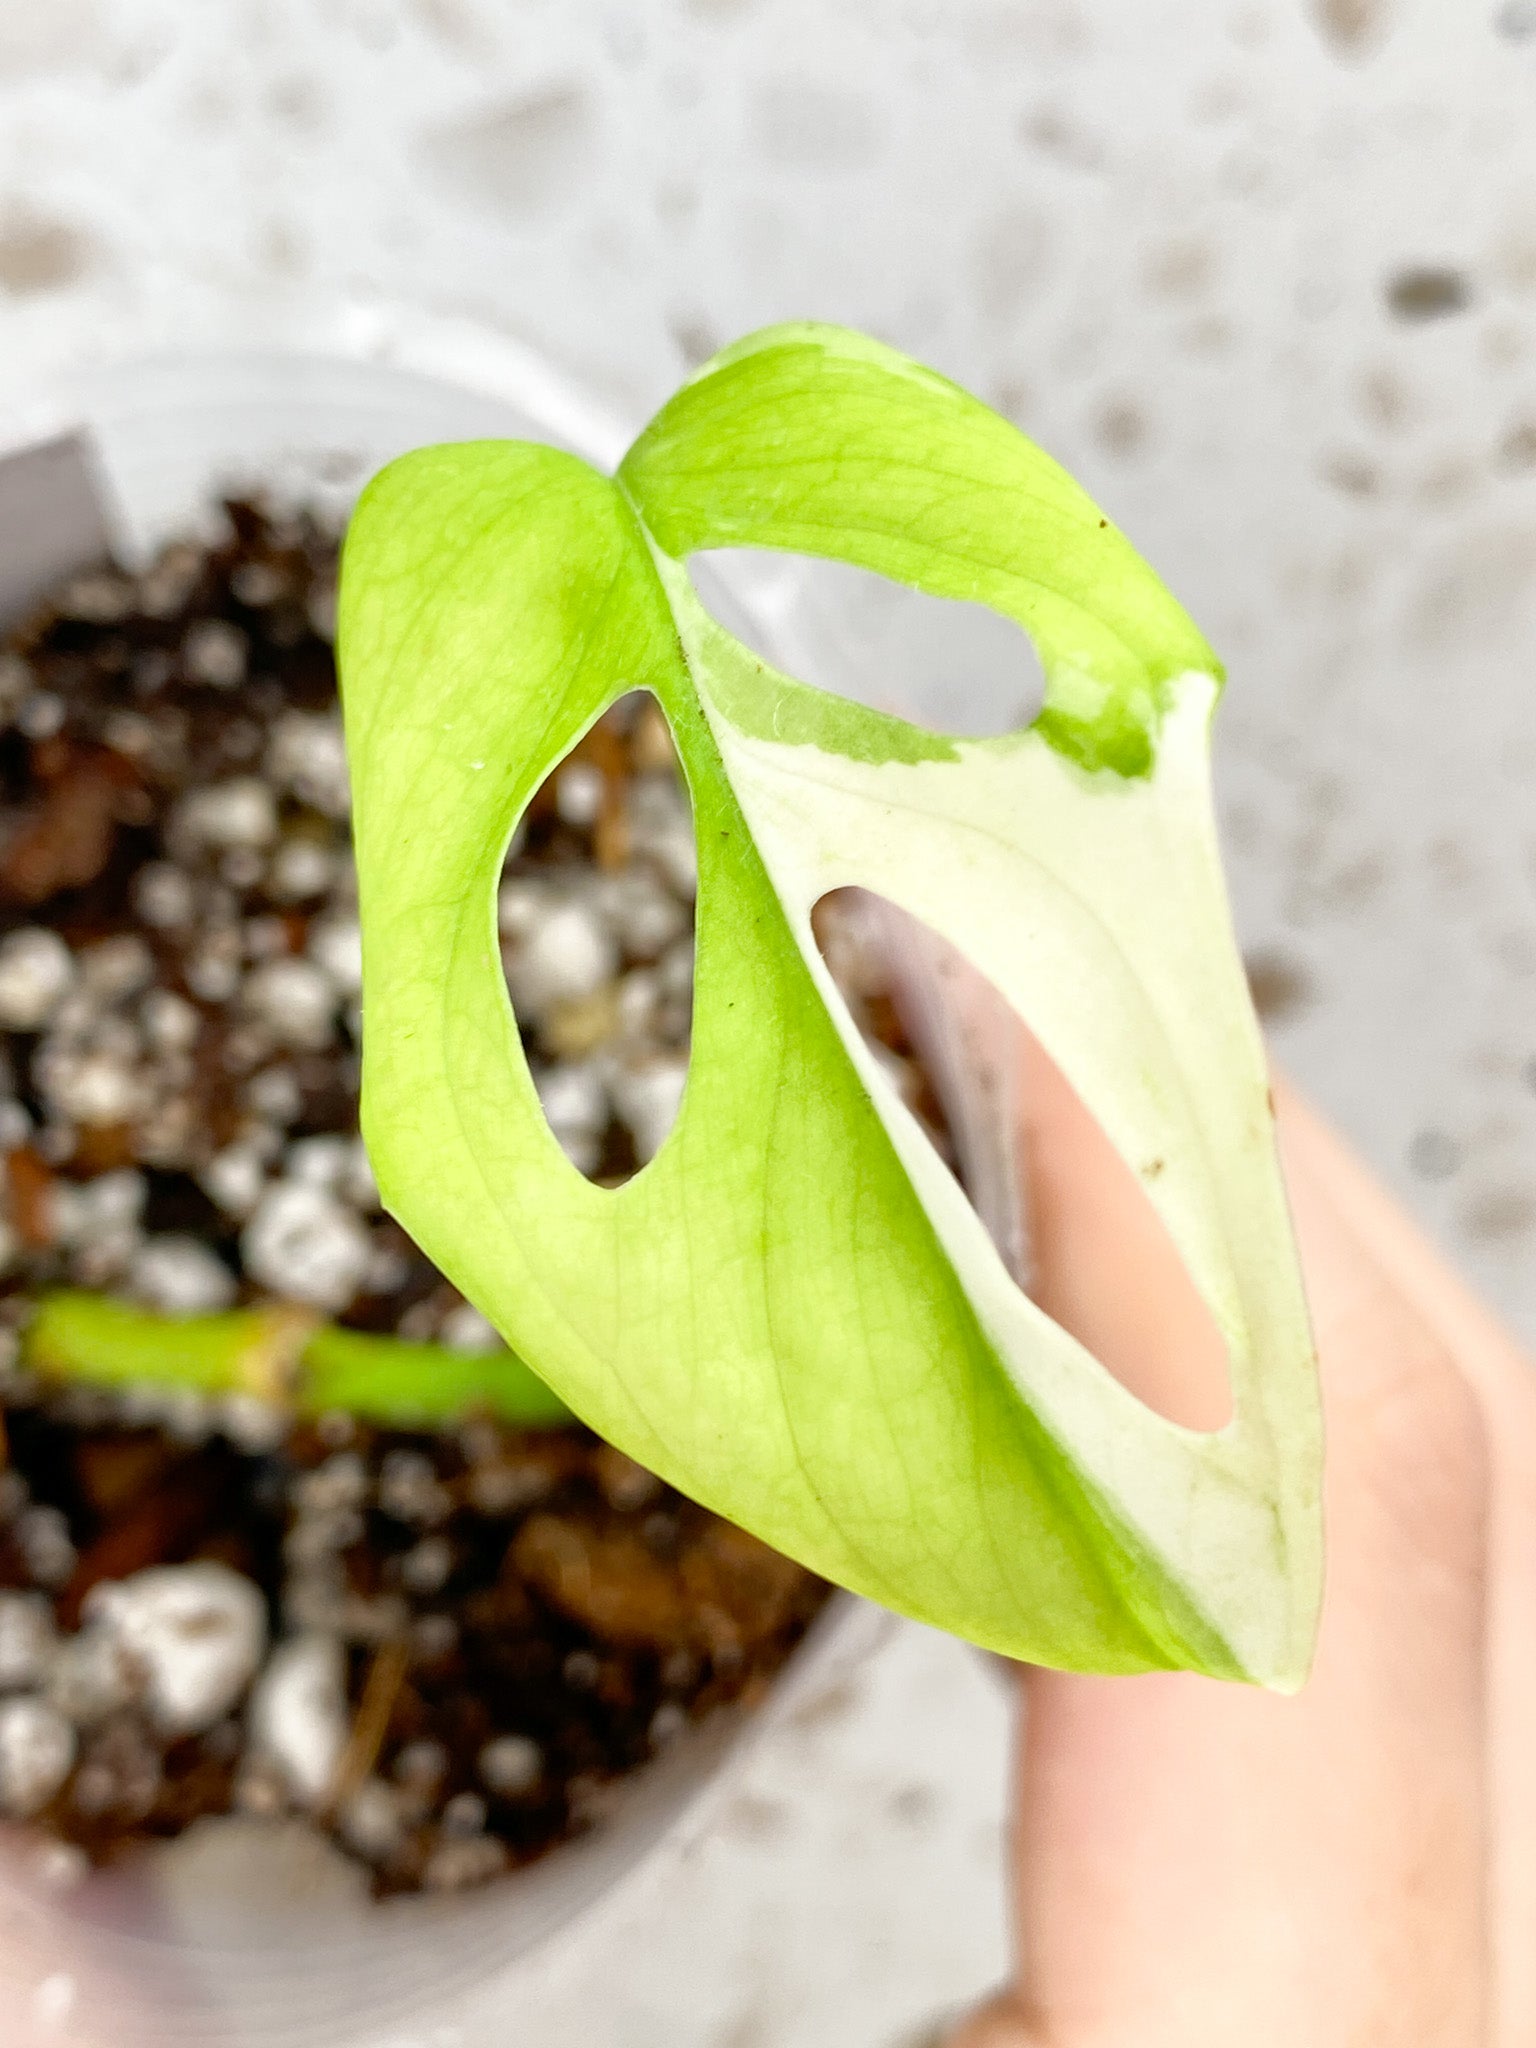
column 440, row 1648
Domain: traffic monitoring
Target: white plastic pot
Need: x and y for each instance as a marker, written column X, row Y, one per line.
column 234, row 1939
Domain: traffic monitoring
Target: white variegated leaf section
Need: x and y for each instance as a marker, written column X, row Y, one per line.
column 1094, row 905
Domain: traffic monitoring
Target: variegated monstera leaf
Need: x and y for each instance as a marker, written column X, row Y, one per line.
column 793, row 1313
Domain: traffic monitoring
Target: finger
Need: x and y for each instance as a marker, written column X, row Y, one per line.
column 1502, row 1376
column 1198, row 1863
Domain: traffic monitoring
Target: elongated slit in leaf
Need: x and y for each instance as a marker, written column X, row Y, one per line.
column 595, row 914
column 942, row 663
column 1003, row 1118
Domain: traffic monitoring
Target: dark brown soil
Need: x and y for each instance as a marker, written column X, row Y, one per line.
column 491, row 1584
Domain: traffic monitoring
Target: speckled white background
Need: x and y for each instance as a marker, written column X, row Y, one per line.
column 1263, row 273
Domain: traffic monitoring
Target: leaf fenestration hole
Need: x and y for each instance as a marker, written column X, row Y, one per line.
column 595, row 910
column 942, row 663
column 1073, row 1222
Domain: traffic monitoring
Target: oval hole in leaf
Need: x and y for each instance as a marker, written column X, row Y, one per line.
column 596, row 912
column 939, row 662
column 1072, row 1220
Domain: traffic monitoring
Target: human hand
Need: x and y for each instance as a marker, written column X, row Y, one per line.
column 1195, row 1863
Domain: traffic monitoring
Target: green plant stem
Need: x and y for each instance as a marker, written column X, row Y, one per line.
column 284, row 1355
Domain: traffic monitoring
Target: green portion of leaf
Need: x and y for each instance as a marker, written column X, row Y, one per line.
column 791, row 1313
column 812, row 439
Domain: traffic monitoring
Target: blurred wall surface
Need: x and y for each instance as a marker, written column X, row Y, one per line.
column 1263, row 272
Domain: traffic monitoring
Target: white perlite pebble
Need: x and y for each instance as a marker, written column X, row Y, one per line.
column 458, row 1863
column 567, row 956
column 358, row 1183
column 26, row 1639
column 86, row 1209
column 519, row 906
column 164, row 896
column 128, row 732
column 252, row 1425
column 170, row 579
column 180, row 1276
column 298, row 1718
column 305, row 1245
column 638, row 997
column 674, row 971
column 99, row 596
column 510, row 1764
column 258, row 583
column 92, row 1088
column 78, row 1021
column 265, row 937
column 239, row 813
column 89, row 1678
column 294, row 999
column 371, row 1822
column 340, row 1483
column 420, row 1765
column 36, row 971
column 300, row 868
column 42, row 715
column 646, row 916
column 320, row 609
column 171, row 1023
column 647, row 1100
column 196, row 1632
column 464, row 1814
column 43, row 1538
column 465, row 1329
column 274, row 1094
column 424, row 1568
column 667, row 1723
column 575, row 1104
column 308, row 755
column 37, row 1752
column 319, row 1162
column 661, row 829
column 234, row 1178
column 410, row 1490
column 116, row 967
column 216, row 652
column 336, row 947
column 579, row 792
